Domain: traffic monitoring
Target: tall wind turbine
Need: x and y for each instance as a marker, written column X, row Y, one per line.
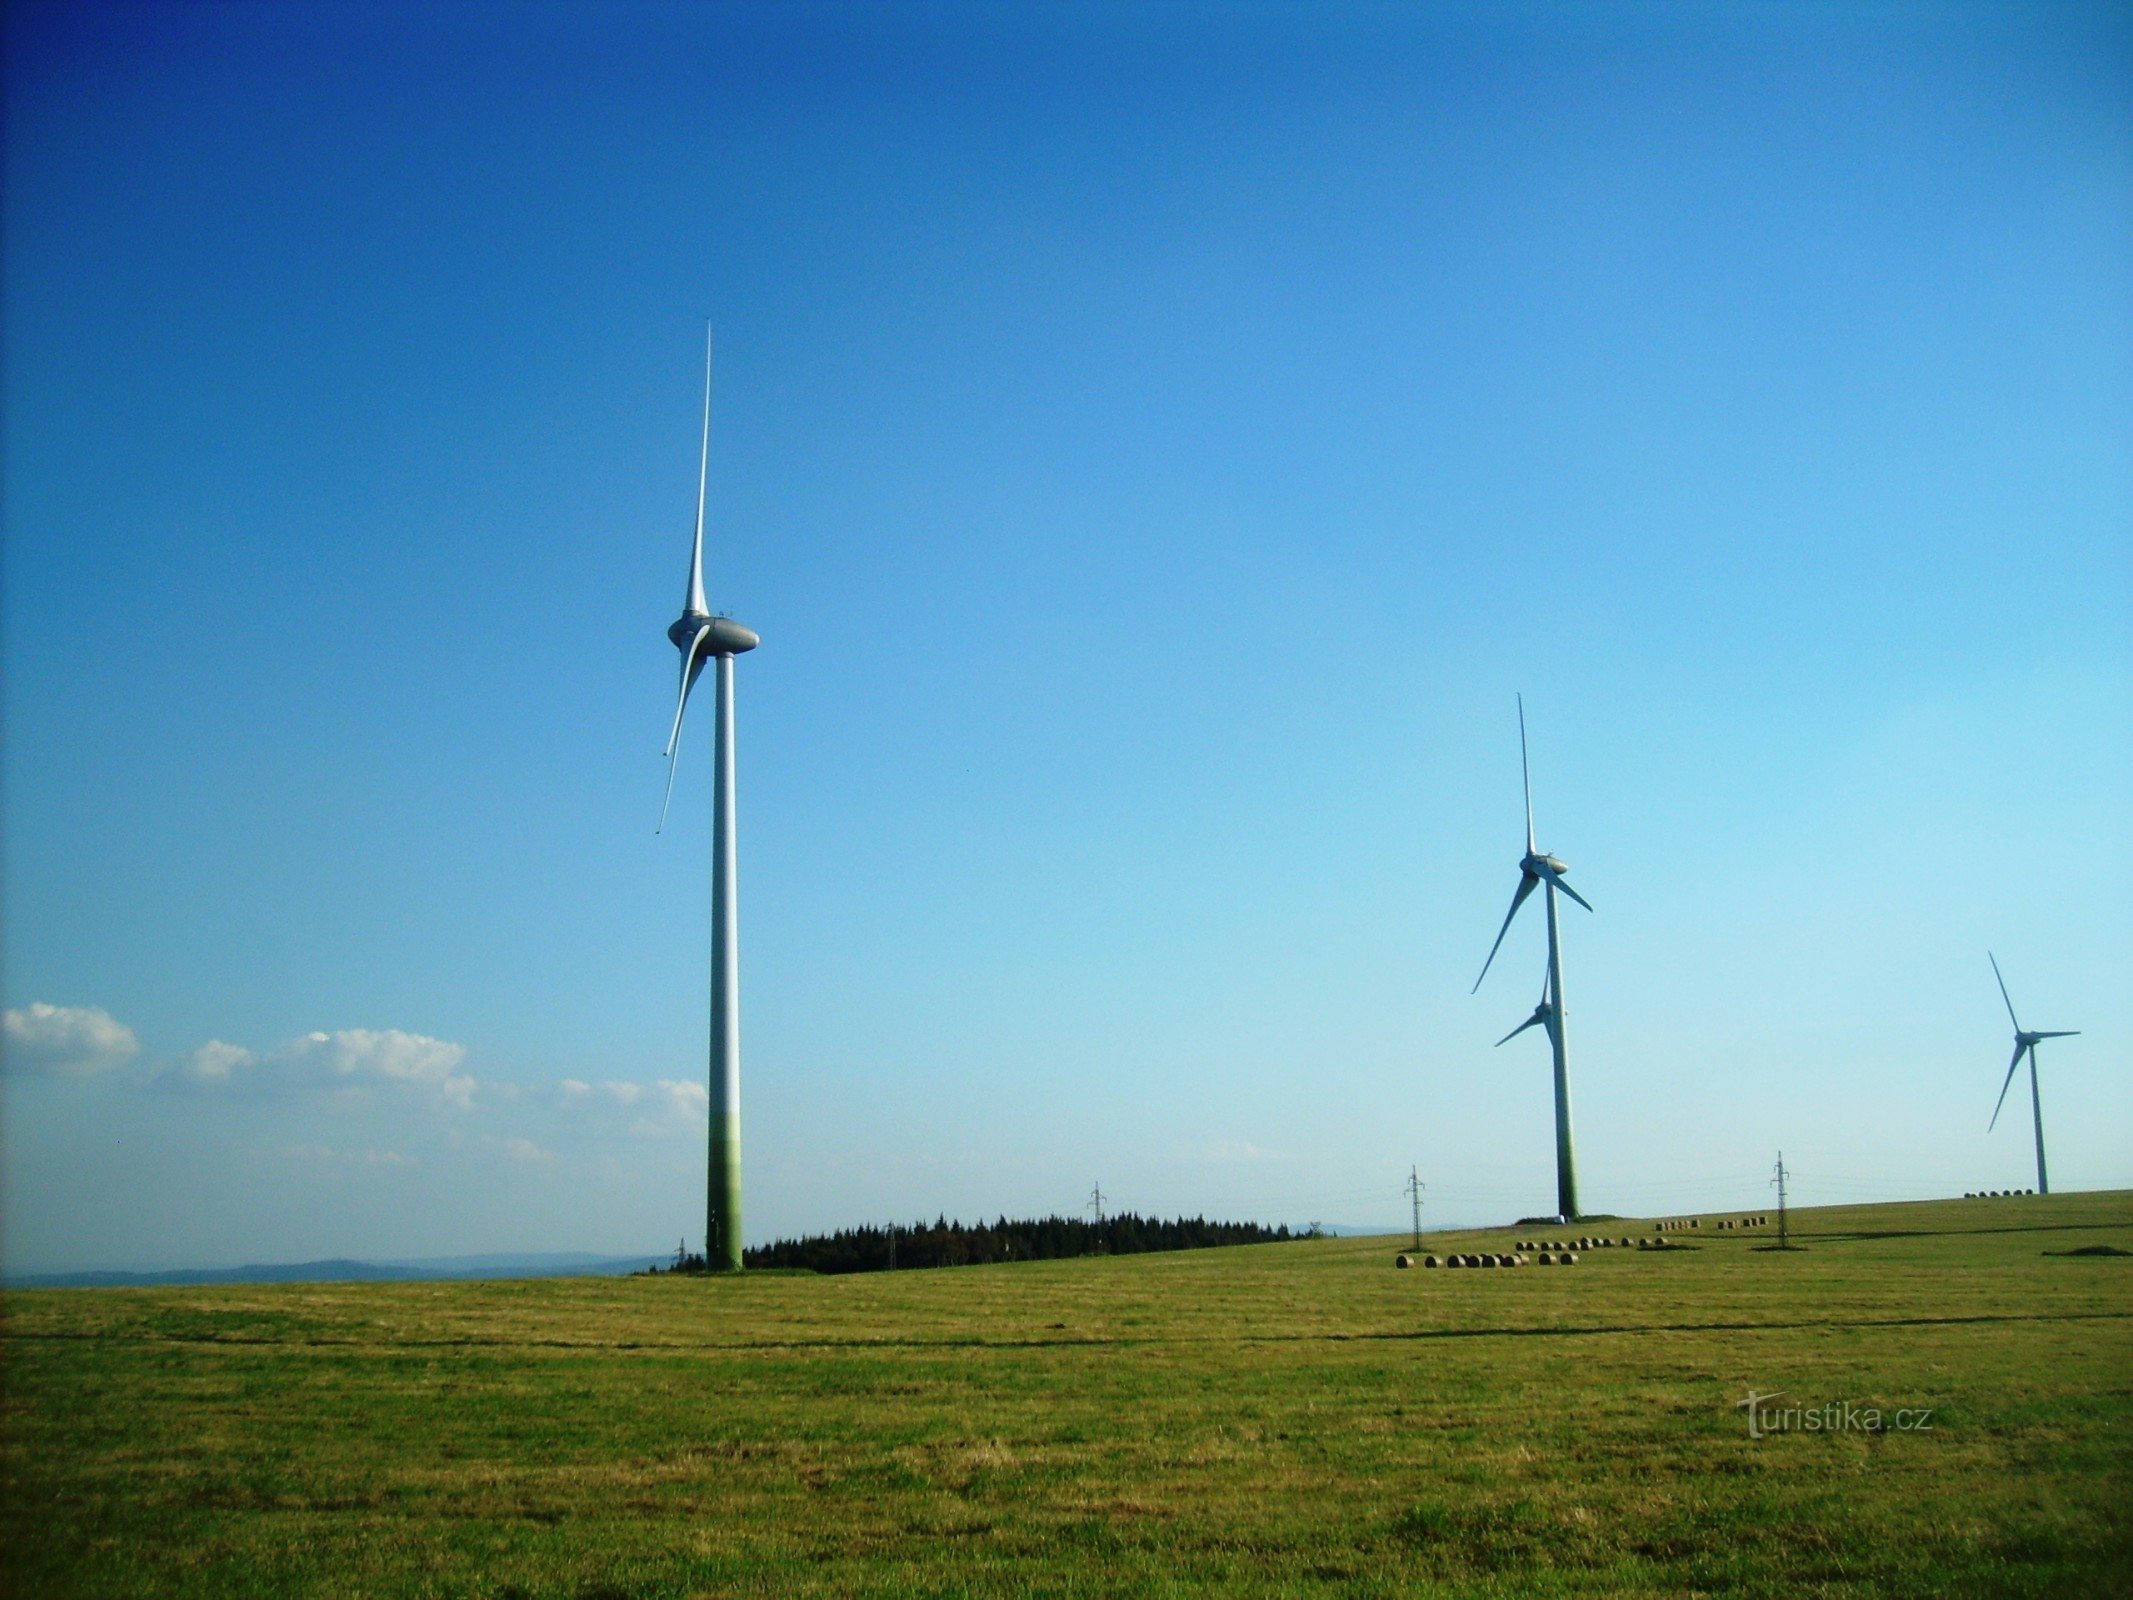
column 2025, row 1044
column 702, row 637
column 1536, row 869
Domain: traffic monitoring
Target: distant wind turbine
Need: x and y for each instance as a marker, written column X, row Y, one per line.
column 1536, row 869
column 2025, row 1044
column 701, row 637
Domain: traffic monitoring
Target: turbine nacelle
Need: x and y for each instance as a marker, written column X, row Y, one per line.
column 698, row 634
column 2025, row 1045
column 1543, row 1017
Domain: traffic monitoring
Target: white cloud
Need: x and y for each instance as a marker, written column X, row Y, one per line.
column 71, row 1040
column 319, row 1154
column 1231, row 1150
column 658, row 1109
column 356, row 1056
column 672, row 1107
column 686, row 1099
column 347, row 1064
column 523, row 1150
column 215, row 1063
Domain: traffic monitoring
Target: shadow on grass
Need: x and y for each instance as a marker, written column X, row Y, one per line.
column 978, row 1342
column 1935, row 1233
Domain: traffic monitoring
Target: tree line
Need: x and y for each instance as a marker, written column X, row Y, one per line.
column 943, row 1243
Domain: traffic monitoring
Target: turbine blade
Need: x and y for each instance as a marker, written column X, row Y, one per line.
column 2067, row 1033
column 1556, row 878
column 696, row 605
column 1538, row 1017
column 1525, row 774
column 2011, row 1017
column 1526, row 881
column 692, row 664
column 2019, row 1048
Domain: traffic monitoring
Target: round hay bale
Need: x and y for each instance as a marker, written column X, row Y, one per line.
column 1544, row 1259
column 1431, row 1261
column 1403, row 1262
column 1624, row 1242
column 1567, row 1259
column 1455, row 1261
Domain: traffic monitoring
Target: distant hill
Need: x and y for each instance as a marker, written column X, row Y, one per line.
column 548, row 1264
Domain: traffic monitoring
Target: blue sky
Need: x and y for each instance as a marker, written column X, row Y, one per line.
column 1155, row 443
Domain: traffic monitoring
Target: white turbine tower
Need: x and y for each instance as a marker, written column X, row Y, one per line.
column 2025, row 1045
column 1534, row 868
column 701, row 637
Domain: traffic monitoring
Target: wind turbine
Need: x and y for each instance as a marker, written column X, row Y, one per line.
column 1537, row 870
column 702, row 637
column 2025, row 1044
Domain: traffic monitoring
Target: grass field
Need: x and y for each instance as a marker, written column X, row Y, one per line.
column 1289, row 1419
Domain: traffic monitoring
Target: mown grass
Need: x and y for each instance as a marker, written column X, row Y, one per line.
column 1293, row 1419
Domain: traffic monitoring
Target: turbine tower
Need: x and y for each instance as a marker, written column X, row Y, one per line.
column 2025, row 1044
column 1536, row 869
column 702, row 637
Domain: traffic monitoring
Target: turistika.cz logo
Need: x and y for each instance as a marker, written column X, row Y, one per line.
column 1835, row 1416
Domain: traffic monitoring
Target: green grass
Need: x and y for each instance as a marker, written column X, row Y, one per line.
column 1291, row 1419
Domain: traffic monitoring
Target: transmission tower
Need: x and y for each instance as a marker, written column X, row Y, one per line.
column 1779, row 1181
column 1415, row 1186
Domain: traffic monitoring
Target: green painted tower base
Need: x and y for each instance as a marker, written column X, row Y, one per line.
column 723, row 1229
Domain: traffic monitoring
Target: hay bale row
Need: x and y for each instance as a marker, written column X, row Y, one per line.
column 1556, row 1246
column 1675, row 1225
column 1998, row 1194
column 1544, row 1258
column 1737, row 1223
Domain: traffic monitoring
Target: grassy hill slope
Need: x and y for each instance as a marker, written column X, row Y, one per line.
column 1289, row 1419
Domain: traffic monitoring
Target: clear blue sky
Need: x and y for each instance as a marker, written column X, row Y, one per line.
column 1154, row 443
